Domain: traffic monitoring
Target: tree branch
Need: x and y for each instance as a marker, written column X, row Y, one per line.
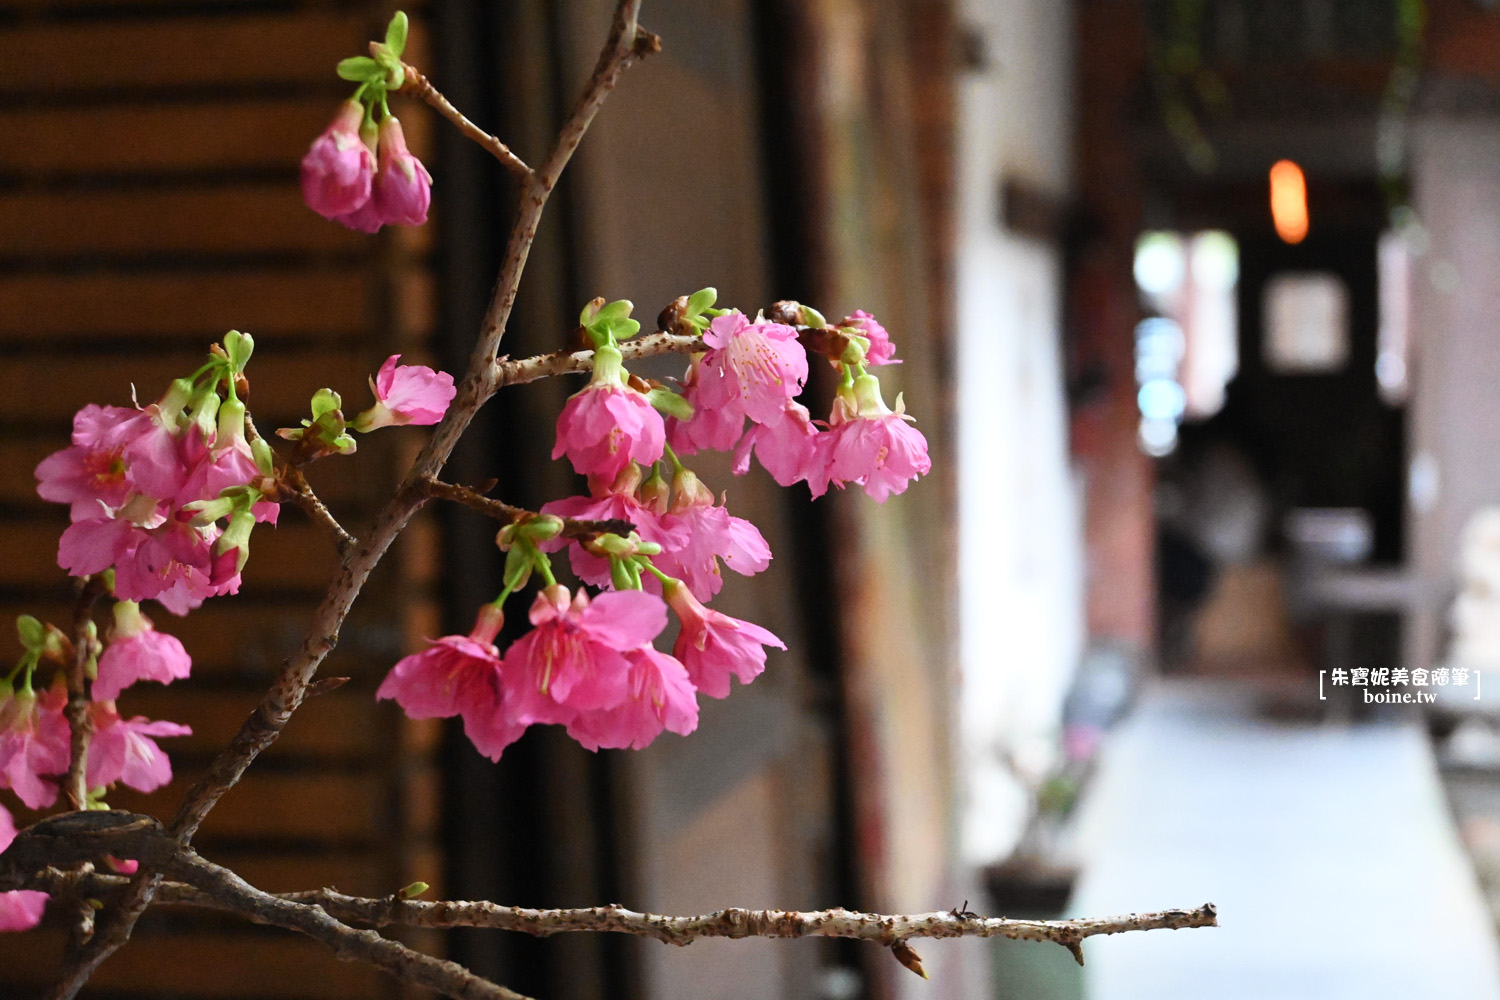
column 75, row 784
column 508, row 372
column 501, row 511
column 419, row 86
column 76, row 837
column 734, row 922
column 301, row 493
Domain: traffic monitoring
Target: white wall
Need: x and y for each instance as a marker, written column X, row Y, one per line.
column 1020, row 527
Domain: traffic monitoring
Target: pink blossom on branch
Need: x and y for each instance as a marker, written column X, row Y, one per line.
column 713, row 646
column 406, row 394
column 574, row 660
column 339, row 169
column 711, row 428
column 137, row 652
column 881, row 351
column 787, row 447
column 92, row 472
column 752, row 369
column 872, row 445
column 125, row 750
column 20, row 910
column 402, row 190
column 661, row 696
column 618, row 503
column 458, row 675
column 606, row 425
column 712, row 534
column 34, row 743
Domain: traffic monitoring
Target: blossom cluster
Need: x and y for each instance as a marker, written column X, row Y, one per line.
column 590, row 664
column 362, row 174
column 587, row 664
column 752, row 372
column 163, row 499
column 359, row 172
column 148, row 487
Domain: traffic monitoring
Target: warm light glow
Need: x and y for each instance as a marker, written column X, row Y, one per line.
column 1289, row 201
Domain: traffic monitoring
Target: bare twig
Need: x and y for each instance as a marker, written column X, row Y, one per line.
column 501, row 511
column 419, row 86
column 301, row 493
column 508, row 372
column 879, row 928
column 625, row 45
column 85, row 647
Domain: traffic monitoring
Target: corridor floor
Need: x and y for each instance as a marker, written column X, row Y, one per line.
column 1328, row 849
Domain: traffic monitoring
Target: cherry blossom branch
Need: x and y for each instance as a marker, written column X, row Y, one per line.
column 419, row 86
column 626, row 44
column 501, row 511
column 290, row 687
column 508, row 372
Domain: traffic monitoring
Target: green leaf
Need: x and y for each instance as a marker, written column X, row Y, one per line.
column 31, row 631
column 612, row 319
column 395, row 34
column 325, row 401
column 416, row 888
column 391, row 74
column 668, row 402
column 701, row 300
column 623, row 329
column 359, row 69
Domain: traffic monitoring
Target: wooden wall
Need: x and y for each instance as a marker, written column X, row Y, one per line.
column 149, row 203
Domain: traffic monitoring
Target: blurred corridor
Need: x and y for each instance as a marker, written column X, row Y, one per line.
column 1329, row 849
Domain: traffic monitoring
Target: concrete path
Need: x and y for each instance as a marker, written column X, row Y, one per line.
column 1329, row 851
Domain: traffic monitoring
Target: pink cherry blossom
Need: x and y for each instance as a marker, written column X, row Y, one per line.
column 787, row 447
column 175, row 564
column 661, row 697
column 873, row 446
column 458, row 675
column 882, row 351
column 158, row 457
column 34, row 744
column 91, row 473
column 138, row 652
column 752, row 368
column 365, row 219
column 402, row 188
column 338, row 170
column 20, row 910
column 662, row 529
column 407, row 394
column 129, row 476
column 712, row 428
column 607, row 425
column 712, row 534
column 124, row 750
column 713, row 646
column 573, row 660
column 213, row 469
